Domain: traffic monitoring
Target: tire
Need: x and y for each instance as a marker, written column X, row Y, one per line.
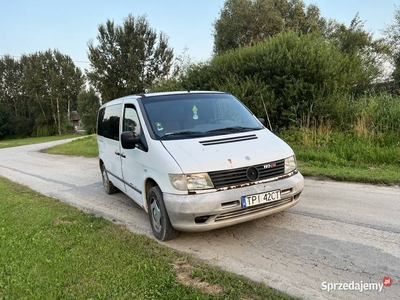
column 159, row 220
column 108, row 186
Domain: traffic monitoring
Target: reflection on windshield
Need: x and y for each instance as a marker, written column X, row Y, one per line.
column 194, row 115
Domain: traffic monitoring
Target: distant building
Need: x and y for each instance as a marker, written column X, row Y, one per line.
column 76, row 120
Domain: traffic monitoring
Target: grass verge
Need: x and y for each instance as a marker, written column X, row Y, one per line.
column 33, row 140
column 50, row 250
column 86, row 146
column 347, row 156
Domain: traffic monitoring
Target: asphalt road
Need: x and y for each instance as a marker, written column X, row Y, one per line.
column 340, row 236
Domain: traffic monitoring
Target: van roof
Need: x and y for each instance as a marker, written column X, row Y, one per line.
column 149, row 95
column 178, row 93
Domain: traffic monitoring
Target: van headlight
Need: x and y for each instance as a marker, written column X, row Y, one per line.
column 191, row 182
column 290, row 164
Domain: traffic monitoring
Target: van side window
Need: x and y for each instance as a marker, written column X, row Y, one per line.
column 108, row 122
column 131, row 120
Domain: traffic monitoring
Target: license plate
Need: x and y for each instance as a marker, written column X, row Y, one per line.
column 257, row 199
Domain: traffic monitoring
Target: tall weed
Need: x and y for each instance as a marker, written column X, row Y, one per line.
column 377, row 114
column 324, row 145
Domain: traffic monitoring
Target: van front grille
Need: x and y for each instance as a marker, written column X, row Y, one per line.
column 233, row 177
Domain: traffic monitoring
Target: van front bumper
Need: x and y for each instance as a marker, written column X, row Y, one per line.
column 208, row 211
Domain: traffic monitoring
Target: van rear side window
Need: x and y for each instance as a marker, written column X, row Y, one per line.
column 108, row 122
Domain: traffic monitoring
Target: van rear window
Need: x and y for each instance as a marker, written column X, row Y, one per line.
column 108, row 122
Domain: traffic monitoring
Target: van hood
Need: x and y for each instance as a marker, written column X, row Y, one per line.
column 229, row 151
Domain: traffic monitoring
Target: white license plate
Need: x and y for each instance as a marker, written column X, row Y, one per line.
column 257, row 199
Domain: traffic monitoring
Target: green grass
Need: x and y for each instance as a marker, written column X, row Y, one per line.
column 86, row 146
column 347, row 156
column 35, row 140
column 388, row 175
column 50, row 250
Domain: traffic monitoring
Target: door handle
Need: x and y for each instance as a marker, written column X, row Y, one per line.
column 117, row 153
column 122, row 155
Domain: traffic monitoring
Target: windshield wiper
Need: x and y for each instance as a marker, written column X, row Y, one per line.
column 234, row 129
column 183, row 133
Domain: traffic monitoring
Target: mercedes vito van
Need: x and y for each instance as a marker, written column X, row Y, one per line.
column 194, row 161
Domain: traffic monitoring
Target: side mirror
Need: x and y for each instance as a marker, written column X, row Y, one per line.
column 262, row 120
column 129, row 140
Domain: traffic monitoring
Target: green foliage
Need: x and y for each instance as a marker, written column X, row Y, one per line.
column 42, row 130
column 362, row 145
column 392, row 35
column 20, row 126
column 248, row 90
column 52, row 83
column 247, row 22
column 377, row 114
column 128, row 59
column 3, row 122
column 12, row 98
column 37, row 92
column 355, row 40
column 392, row 31
column 88, row 106
column 299, row 77
column 350, row 156
column 67, row 127
column 173, row 84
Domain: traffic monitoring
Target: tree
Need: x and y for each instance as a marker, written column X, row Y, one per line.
column 355, row 40
column 11, row 88
column 247, row 22
column 52, row 83
column 128, row 59
column 38, row 92
column 3, row 122
column 392, row 34
column 88, row 106
column 301, row 78
column 13, row 98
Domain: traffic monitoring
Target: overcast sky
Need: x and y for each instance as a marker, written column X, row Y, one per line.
column 29, row 26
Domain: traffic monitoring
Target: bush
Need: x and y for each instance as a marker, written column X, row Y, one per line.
column 43, row 130
column 299, row 77
column 20, row 126
column 88, row 106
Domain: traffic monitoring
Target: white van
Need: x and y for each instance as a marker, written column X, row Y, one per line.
column 195, row 161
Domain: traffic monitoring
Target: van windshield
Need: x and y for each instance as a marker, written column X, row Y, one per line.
column 195, row 115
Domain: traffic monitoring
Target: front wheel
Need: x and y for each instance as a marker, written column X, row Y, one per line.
column 159, row 220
